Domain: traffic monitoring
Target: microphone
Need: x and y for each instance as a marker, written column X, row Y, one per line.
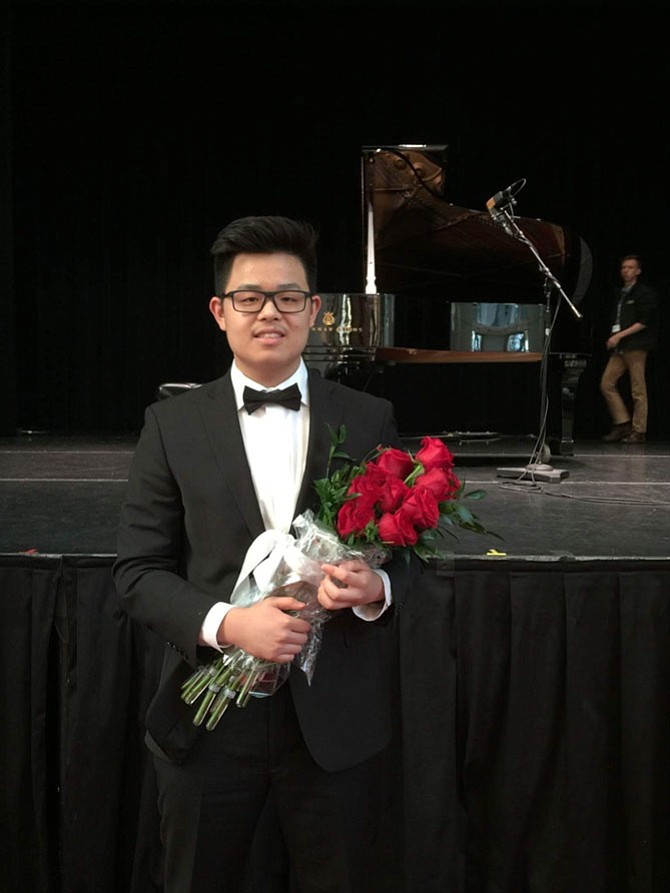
column 505, row 197
column 498, row 217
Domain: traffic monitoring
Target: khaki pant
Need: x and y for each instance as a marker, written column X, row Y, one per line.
column 633, row 362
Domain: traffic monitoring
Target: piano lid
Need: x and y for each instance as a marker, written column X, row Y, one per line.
column 425, row 246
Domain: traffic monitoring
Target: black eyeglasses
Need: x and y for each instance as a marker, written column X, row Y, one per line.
column 286, row 301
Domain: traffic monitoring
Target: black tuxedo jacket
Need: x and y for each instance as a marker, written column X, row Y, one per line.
column 639, row 305
column 189, row 516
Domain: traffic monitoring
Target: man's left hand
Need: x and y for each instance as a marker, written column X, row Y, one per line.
column 349, row 585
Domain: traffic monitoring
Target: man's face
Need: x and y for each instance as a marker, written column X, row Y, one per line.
column 629, row 271
column 267, row 345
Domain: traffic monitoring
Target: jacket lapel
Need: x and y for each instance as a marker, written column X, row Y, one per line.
column 219, row 415
column 326, row 408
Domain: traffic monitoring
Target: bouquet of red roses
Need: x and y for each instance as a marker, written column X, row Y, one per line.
column 392, row 501
column 397, row 501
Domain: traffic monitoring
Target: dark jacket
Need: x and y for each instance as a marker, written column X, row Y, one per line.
column 639, row 305
column 188, row 519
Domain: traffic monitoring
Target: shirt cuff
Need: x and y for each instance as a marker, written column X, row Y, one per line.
column 374, row 611
column 211, row 623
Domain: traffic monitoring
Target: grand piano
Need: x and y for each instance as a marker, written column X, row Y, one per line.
column 450, row 285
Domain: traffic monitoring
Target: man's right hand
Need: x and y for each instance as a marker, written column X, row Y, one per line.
column 266, row 629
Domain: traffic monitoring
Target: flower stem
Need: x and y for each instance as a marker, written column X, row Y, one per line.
column 198, row 682
column 219, row 707
column 248, row 684
column 201, row 713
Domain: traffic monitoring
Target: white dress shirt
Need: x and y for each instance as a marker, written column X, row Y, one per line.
column 277, row 474
column 275, row 440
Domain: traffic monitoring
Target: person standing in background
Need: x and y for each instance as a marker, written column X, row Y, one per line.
column 633, row 334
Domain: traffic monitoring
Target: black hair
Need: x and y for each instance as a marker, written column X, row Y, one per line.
column 264, row 235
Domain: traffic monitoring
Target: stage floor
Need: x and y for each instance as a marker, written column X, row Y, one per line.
column 61, row 495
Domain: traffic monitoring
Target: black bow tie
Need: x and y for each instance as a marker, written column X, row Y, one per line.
column 288, row 397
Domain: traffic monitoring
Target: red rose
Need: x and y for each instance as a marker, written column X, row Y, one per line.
column 388, row 492
column 434, row 454
column 370, row 481
column 355, row 515
column 397, row 463
column 440, row 482
column 421, row 508
column 396, row 529
column 454, row 483
column 392, row 494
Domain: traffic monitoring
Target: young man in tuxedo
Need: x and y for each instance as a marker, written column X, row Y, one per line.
column 208, row 477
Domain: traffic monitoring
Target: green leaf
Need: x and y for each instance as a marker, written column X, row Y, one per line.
column 475, row 494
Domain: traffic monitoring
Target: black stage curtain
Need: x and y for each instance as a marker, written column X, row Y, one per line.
column 28, row 777
column 534, row 728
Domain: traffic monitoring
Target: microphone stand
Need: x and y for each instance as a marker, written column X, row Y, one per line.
column 517, row 233
column 537, row 471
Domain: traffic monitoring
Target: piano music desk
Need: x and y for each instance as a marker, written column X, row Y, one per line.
column 417, row 355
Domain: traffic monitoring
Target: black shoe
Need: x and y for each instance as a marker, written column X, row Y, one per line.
column 618, row 432
column 635, row 437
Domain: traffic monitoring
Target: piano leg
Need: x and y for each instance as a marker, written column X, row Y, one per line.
column 565, row 370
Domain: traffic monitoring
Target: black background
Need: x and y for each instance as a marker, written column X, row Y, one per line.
column 136, row 131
